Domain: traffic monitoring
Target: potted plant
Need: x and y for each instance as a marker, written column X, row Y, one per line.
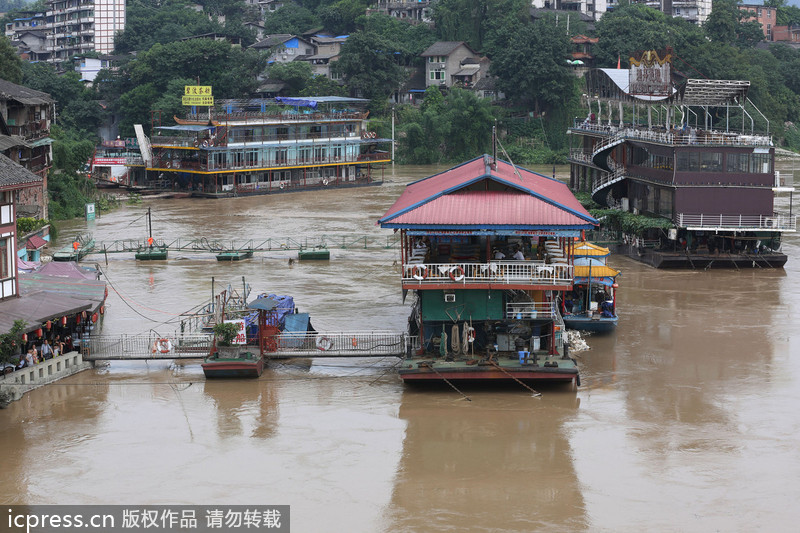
column 224, row 333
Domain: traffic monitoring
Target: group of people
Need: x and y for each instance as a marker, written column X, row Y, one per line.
column 38, row 354
column 499, row 255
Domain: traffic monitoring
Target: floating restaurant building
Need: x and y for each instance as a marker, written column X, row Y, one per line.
column 262, row 146
column 693, row 152
column 486, row 250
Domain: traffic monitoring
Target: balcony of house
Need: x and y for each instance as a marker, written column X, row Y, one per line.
column 717, row 222
column 684, row 136
column 32, row 130
column 524, row 275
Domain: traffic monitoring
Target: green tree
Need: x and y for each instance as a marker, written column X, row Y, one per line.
column 161, row 21
column 341, row 16
column 295, row 74
column 293, row 19
column 529, row 62
column 445, row 129
column 10, row 63
column 323, row 86
column 369, row 66
column 11, row 342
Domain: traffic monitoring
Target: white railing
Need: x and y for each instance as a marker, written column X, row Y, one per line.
column 338, row 344
column 521, row 310
column 760, row 222
column 608, row 178
column 500, row 272
column 690, row 136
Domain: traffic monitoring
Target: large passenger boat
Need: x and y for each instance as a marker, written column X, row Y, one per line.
column 262, row 146
column 695, row 152
column 487, row 249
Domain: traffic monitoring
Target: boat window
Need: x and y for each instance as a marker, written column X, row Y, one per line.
column 760, row 164
column 711, row 162
column 280, row 156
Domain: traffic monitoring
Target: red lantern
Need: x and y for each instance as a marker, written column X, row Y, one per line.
column 24, row 337
column 102, row 309
column 48, row 324
column 63, row 321
column 39, row 332
column 78, row 318
column 94, row 317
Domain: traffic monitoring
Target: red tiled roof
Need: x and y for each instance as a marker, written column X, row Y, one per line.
column 475, row 194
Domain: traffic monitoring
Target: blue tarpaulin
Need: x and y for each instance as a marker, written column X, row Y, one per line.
column 300, row 102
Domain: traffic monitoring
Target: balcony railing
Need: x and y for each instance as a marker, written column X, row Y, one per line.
column 496, row 272
column 680, row 137
column 737, row 222
column 527, row 310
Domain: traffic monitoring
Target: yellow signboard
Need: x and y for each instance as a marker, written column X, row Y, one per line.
column 197, row 100
column 197, row 90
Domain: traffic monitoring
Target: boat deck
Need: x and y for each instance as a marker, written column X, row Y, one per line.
column 542, row 367
column 667, row 259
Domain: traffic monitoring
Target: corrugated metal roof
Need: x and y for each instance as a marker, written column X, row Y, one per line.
column 476, row 194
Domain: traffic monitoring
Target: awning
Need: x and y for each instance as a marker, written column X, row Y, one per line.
column 186, row 127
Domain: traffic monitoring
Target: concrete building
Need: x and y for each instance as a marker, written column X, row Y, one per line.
column 70, row 27
column 766, row 16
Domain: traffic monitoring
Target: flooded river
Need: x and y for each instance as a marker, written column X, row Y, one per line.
column 687, row 418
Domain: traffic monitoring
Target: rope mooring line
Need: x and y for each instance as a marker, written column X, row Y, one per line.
column 503, row 370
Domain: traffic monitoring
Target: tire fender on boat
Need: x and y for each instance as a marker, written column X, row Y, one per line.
column 324, row 343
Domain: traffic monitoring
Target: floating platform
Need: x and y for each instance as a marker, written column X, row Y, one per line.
column 317, row 254
column 151, row 254
column 69, row 253
column 669, row 259
column 542, row 368
column 243, row 365
column 595, row 323
column 234, row 255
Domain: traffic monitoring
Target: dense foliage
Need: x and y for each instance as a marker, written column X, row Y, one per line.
column 528, row 61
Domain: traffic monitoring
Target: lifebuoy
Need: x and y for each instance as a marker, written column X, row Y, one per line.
column 372, row 135
column 205, row 144
column 162, row 345
column 325, row 181
column 456, row 273
column 324, row 343
column 419, row 272
column 282, row 185
column 471, row 334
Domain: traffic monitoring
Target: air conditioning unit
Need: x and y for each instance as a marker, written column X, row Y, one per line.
column 770, row 222
column 450, row 298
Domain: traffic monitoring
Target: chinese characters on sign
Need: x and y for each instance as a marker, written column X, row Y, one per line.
column 241, row 336
column 197, row 95
column 650, row 74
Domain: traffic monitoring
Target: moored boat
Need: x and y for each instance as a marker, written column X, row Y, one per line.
column 239, row 364
column 486, row 249
column 592, row 303
column 263, row 146
column 692, row 161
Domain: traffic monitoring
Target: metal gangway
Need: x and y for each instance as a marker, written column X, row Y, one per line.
column 271, row 244
column 283, row 346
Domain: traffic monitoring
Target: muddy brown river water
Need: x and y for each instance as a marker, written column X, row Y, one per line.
column 687, row 418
